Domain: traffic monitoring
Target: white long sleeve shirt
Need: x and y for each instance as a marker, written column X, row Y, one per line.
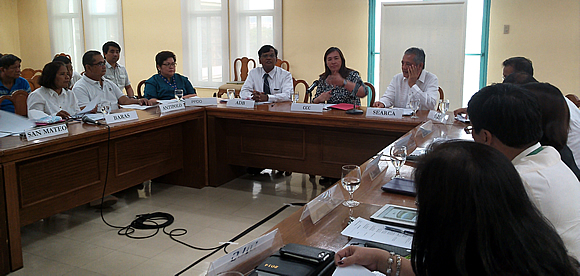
column 399, row 94
column 48, row 101
column 280, row 81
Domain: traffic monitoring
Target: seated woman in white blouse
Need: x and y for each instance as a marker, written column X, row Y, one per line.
column 53, row 97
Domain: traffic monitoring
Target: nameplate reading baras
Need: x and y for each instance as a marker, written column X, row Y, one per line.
column 173, row 106
column 392, row 113
column 306, row 107
column 121, row 117
column 47, row 131
column 240, row 103
column 200, row 101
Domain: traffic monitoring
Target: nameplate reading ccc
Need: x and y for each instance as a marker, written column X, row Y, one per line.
column 393, row 113
column 195, row 101
column 240, row 103
column 47, row 131
column 173, row 106
column 121, row 117
column 306, row 107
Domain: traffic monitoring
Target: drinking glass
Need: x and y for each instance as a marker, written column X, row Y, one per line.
column 179, row 94
column 414, row 104
column 350, row 182
column 295, row 96
column 443, row 106
column 231, row 93
column 398, row 158
column 104, row 107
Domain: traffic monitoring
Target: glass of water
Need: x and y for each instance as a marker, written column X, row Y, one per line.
column 295, row 96
column 398, row 158
column 443, row 106
column 231, row 93
column 414, row 104
column 350, row 182
column 104, row 107
column 179, row 94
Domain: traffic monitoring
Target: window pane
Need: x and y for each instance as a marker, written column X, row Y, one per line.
column 470, row 77
column 473, row 26
column 258, row 5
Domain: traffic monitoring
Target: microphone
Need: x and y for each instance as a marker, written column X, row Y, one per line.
column 88, row 120
column 355, row 111
column 314, row 84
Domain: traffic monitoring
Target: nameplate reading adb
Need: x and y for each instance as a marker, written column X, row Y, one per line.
column 121, row 117
column 48, row 131
column 306, row 107
column 240, row 103
column 393, row 113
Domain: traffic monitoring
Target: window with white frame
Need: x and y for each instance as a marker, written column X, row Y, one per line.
column 79, row 25
column 211, row 41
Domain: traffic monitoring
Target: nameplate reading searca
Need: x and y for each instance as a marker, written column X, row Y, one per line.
column 121, row 117
column 241, row 103
column 47, row 131
column 200, row 101
column 393, row 113
column 173, row 106
column 306, row 107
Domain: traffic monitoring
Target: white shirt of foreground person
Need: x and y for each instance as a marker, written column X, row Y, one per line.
column 280, row 81
column 555, row 191
column 574, row 132
column 87, row 90
column 398, row 94
column 49, row 102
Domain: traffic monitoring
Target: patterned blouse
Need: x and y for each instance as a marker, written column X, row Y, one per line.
column 338, row 94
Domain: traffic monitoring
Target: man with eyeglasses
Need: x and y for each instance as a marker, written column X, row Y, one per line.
column 10, row 79
column 92, row 85
column 269, row 82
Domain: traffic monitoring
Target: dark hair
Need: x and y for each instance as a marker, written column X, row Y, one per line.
column 63, row 59
column 88, row 57
column 555, row 114
column 8, row 60
column 519, row 77
column 49, row 74
column 419, row 55
column 162, row 56
column 266, row 48
column 508, row 112
column 520, row 64
column 343, row 71
column 475, row 218
column 109, row 44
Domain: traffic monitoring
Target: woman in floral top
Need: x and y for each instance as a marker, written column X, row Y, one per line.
column 337, row 82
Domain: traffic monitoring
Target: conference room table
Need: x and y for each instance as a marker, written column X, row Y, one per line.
column 195, row 147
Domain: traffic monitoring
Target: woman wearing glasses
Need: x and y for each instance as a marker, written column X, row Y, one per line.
column 162, row 85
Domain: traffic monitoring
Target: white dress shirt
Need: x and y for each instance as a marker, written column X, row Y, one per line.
column 49, row 102
column 398, row 94
column 574, row 131
column 555, row 191
column 87, row 90
column 117, row 75
column 280, row 81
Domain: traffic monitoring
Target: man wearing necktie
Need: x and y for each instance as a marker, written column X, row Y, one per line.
column 269, row 82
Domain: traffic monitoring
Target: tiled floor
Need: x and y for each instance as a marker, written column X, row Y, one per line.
column 77, row 242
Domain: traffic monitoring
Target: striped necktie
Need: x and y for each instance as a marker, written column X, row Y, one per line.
column 266, row 84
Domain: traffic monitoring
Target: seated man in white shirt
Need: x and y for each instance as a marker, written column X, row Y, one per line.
column 269, row 82
column 413, row 82
column 115, row 71
column 92, row 85
column 508, row 118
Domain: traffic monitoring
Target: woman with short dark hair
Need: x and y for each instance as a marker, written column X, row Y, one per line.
column 474, row 218
column 162, row 85
column 53, row 97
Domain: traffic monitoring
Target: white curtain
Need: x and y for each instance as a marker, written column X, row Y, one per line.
column 103, row 21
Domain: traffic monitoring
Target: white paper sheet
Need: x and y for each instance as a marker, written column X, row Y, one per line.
column 90, row 106
column 137, row 106
column 364, row 229
column 358, row 270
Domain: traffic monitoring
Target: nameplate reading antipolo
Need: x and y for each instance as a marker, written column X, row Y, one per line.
column 393, row 113
column 200, row 101
column 173, row 106
column 121, row 117
column 240, row 103
column 306, row 107
column 48, row 131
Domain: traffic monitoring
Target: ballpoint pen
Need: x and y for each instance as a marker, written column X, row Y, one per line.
column 405, row 232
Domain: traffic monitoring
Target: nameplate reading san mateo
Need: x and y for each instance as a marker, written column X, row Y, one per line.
column 173, row 106
column 48, row 131
column 393, row 113
column 240, row 103
column 121, row 117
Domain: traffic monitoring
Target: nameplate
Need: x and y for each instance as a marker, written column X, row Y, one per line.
column 306, row 107
column 241, row 103
column 47, row 131
column 392, row 113
column 436, row 116
column 173, row 106
column 121, row 117
column 200, row 101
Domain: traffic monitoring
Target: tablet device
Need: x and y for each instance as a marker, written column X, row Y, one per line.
column 400, row 186
column 396, row 215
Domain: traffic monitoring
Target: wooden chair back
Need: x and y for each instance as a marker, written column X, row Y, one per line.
column 140, row 88
column 283, row 64
column 372, row 93
column 35, row 83
column 574, row 99
column 441, row 94
column 28, row 73
column 64, row 55
column 296, row 83
column 18, row 99
column 244, row 68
